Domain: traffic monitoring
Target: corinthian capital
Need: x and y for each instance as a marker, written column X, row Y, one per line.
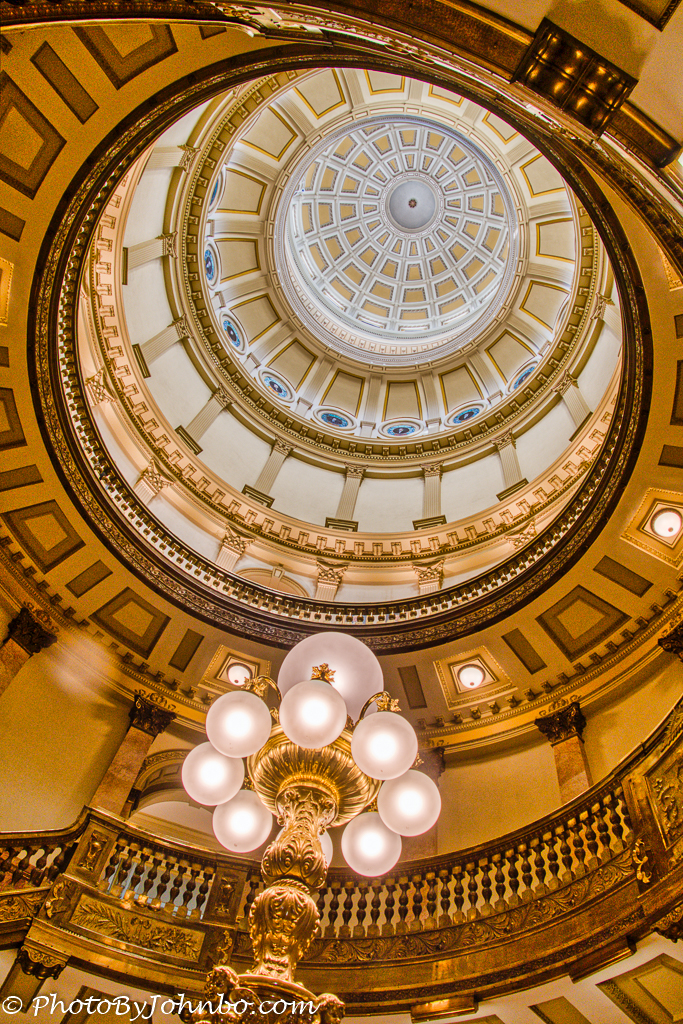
column 32, row 629
column 282, row 447
column 506, row 439
column 559, row 725
column 150, row 717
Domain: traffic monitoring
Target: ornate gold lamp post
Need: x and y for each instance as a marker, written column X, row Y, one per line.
column 319, row 756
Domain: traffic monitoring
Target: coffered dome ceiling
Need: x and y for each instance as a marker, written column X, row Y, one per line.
column 384, row 362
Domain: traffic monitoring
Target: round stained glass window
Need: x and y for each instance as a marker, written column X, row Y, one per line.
column 231, row 332
column 466, row 414
column 522, row 377
column 335, row 419
column 209, row 265
column 401, row 429
column 278, row 386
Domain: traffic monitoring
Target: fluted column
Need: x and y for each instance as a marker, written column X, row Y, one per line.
column 268, row 475
column 564, row 729
column 431, row 499
column 29, row 632
column 329, row 580
column 343, row 518
column 231, row 550
column 199, row 425
column 506, row 447
column 569, row 391
column 34, row 964
column 151, row 482
column 160, row 343
column 152, row 249
column 147, row 721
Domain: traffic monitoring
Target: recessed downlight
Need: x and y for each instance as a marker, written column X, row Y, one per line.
column 239, row 674
column 471, row 676
column 666, row 523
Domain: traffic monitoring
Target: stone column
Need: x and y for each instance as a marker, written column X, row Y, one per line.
column 433, row 765
column 268, row 475
column 199, row 425
column 329, row 580
column 568, row 390
column 512, row 474
column 431, row 499
column 160, row 343
column 153, row 249
column 673, row 641
column 29, row 632
column 147, row 721
column 564, row 728
column 343, row 518
column 151, row 482
column 231, row 550
column 172, row 156
column 35, row 963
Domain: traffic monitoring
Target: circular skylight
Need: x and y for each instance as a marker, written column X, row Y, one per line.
column 401, row 233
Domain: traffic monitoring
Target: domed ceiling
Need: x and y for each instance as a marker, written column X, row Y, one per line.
column 382, row 359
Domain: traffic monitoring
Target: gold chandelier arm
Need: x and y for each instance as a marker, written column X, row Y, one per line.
column 384, row 702
column 260, row 686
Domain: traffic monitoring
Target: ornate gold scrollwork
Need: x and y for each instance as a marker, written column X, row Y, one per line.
column 283, row 921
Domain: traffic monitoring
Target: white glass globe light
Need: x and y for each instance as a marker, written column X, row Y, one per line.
column 325, row 842
column 471, row 676
column 210, row 777
column 410, row 804
column 384, row 746
column 357, row 672
column 243, row 823
column 667, row 523
column 312, row 714
column 369, row 847
column 238, row 723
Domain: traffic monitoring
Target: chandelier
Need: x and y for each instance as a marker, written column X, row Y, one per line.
column 324, row 747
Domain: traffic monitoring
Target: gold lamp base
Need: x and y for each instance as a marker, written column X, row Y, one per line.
column 231, row 998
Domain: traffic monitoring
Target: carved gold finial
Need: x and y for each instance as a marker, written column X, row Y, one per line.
column 385, row 702
column 323, row 672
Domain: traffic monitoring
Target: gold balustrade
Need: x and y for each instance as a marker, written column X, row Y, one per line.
column 567, row 893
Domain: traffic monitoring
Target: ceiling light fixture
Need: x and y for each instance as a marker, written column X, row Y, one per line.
column 471, row 676
column 666, row 523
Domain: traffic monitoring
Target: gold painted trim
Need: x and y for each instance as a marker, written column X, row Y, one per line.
column 544, row 192
column 265, row 152
column 242, row 273
column 255, row 298
column 493, row 128
column 378, row 92
column 455, row 369
column 523, row 309
column 355, row 377
column 386, row 398
column 246, row 213
column 5, row 285
column 517, row 339
column 294, row 341
column 445, row 99
column 327, row 110
column 547, row 255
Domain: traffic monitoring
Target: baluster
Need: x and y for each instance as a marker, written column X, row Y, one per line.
column 553, row 861
column 486, row 909
column 190, row 887
column 566, row 854
column 445, row 901
column 402, row 927
column 579, row 848
column 112, row 869
column 6, row 866
column 320, row 903
column 177, row 886
column 124, row 874
column 416, row 923
column 539, row 867
column 623, row 811
column 38, row 870
column 389, row 904
column 375, row 906
column 345, row 931
column 138, row 871
column 458, row 896
column 152, row 866
column 513, row 875
column 499, row 878
column 527, row 892
column 60, row 861
column 473, row 891
column 21, row 869
column 615, row 824
column 591, row 841
column 151, row 887
column 330, row 931
column 203, row 891
column 254, row 884
column 430, row 921
column 603, row 835
column 359, row 930
column 162, row 887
